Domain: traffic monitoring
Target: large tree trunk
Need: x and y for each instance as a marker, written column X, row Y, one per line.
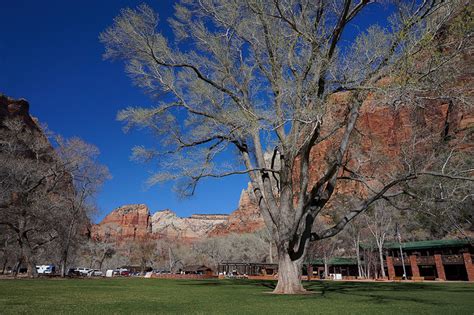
column 65, row 254
column 382, row 270
column 64, row 263
column 30, row 260
column 357, row 250
column 289, row 274
column 16, row 267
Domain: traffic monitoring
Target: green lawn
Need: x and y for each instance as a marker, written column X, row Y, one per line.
column 101, row 296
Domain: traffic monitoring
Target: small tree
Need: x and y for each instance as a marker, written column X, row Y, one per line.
column 256, row 76
column 379, row 221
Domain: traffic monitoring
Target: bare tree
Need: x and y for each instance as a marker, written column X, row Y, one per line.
column 258, row 75
column 143, row 252
column 355, row 232
column 87, row 175
column 379, row 221
column 8, row 249
column 30, row 182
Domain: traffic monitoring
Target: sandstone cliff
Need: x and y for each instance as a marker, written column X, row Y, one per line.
column 19, row 109
column 245, row 219
column 167, row 224
column 135, row 221
column 130, row 221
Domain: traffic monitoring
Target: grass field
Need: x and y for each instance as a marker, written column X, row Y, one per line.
column 99, row 296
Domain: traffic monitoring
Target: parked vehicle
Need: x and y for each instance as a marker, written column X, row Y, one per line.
column 72, row 272
column 45, row 269
column 84, row 271
column 161, row 271
column 121, row 272
column 97, row 273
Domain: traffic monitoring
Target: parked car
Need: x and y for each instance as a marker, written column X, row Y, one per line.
column 97, row 273
column 121, row 272
column 72, row 272
column 161, row 271
column 45, row 269
column 84, row 271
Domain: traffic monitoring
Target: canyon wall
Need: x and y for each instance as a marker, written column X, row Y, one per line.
column 136, row 221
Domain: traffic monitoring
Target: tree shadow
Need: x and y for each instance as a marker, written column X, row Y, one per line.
column 377, row 292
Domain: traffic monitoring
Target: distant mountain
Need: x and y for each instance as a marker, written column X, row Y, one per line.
column 135, row 221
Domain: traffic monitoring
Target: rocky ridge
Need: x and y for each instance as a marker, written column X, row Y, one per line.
column 135, row 221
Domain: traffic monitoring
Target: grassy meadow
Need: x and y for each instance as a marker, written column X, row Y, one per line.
column 146, row 296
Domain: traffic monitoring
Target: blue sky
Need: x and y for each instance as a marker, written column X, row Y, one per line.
column 50, row 55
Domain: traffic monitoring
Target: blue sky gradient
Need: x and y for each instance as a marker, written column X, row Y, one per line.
column 50, row 55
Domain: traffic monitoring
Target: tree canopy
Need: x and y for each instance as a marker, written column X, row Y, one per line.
column 256, row 78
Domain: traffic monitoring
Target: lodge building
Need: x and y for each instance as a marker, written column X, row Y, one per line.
column 423, row 260
column 431, row 260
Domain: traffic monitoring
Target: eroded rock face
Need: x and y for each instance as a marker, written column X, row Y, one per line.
column 167, row 224
column 135, row 221
column 245, row 219
column 12, row 108
column 129, row 221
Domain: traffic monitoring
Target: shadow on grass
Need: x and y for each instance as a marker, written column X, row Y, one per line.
column 240, row 282
column 378, row 293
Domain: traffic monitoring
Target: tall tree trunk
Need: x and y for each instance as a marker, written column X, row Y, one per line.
column 5, row 261
column 270, row 252
column 326, row 267
column 382, row 270
column 289, row 273
column 64, row 257
column 357, row 249
column 31, row 262
column 16, row 267
column 65, row 254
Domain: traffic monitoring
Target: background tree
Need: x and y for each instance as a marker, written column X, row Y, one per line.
column 253, row 76
column 30, row 182
column 380, row 223
column 143, row 253
column 80, row 162
column 356, row 235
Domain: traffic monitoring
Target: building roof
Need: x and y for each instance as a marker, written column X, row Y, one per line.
column 248, row 264
column 337, row 261
column 427, row 244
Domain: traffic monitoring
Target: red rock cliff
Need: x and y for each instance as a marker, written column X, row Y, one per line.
column 130, row 221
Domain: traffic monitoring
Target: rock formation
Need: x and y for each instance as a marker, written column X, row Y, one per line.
column 135, row 221
column 11, row 108
column 245, row 219
column 167, row 224
column 130, row 221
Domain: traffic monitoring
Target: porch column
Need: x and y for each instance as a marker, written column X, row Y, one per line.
column 469, row 266
column 414, row 266
column 390, row 268
column 439, row 267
